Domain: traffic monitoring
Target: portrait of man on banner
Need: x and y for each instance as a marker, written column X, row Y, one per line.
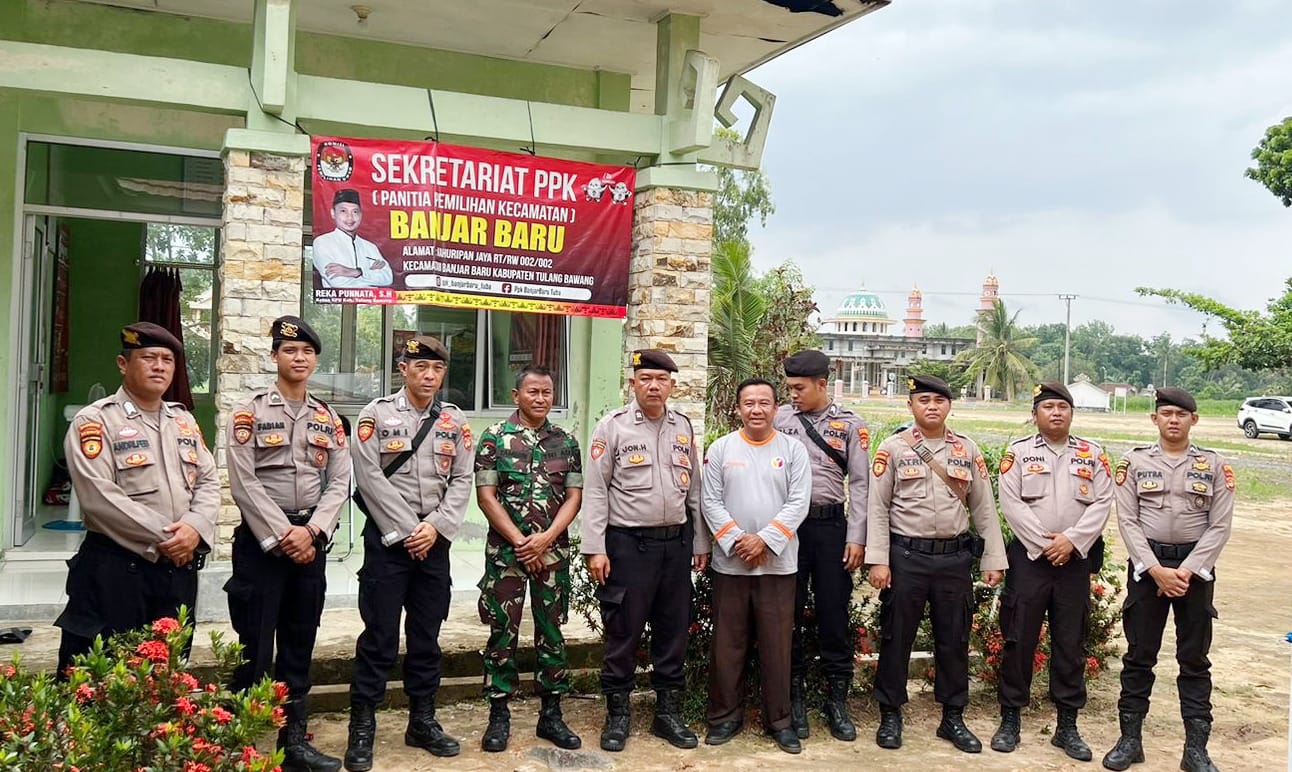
column 343, row 258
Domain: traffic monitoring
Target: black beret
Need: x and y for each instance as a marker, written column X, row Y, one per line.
column 652, row 359
column 149, row 335
column 929, row 383
column 294, row 328
column 807, row 364
column 425, row 347
column 1051, row 390
column 346, row 196
column 1169, row 395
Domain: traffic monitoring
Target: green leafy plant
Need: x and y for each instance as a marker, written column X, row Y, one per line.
column 131, row 704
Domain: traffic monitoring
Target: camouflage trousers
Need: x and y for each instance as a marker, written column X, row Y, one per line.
column 502, row 601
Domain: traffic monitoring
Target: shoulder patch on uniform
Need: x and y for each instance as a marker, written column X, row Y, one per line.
column 1105, row 463
column 880, row 464
column 243, row 421
column 1123, row 467
column 91, row 434
column 466, row 437
column 981, row 463
column 598, row 448
column 1228, row 471
column 1007, row 461
column 863, row 437
column 367, row 425
column 339, row 426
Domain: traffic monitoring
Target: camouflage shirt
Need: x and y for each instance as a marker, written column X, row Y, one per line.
column 531, row 468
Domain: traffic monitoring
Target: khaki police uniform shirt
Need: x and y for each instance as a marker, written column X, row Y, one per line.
column 433, row 486
column 908, row 498
column 844, row 431
column 1174, row 501
column 283, row 460
column 641, row 474
column 136, row 473
column 1044, row 491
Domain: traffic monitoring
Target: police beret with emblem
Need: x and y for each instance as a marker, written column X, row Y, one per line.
column 149, row 335
column 1169, row 395
column 807, row 364
column 346, row 196
column 1050, row 390
column 653, row 359
column 294, row 328
column 425, row 347
column 928, row 383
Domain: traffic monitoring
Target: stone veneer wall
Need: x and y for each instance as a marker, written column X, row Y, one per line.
column 669, row 286
column 260, row 280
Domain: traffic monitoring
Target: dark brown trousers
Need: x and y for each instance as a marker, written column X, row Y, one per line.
column 748, row 608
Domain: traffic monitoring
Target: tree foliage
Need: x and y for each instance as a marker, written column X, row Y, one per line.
column 1001, row 358
column 786, row 326
column 1257, row 340
column 741, row 196
column 1273, row 157
column 736, row 310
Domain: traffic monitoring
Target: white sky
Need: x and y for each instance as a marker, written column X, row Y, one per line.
column 1075, row 147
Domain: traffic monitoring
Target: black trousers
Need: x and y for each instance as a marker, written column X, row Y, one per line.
column 1144, row 619
column 391, row 582
column 821, row 545
column 111, row 590
column 1034, row 591
column 273, row 597
column 945, row 584
column 650, row 581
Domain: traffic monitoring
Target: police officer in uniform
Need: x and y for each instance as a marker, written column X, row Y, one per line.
column 529, row 482
column 928, row 479
column 641, row 535
column 1175, row 509
column 149, row 493
column 413, row 467
column 1056, row 491
column 289, row 473
column 832, row 538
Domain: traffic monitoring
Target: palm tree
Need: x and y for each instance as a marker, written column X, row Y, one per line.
column 736, row 309
column 1001, row 356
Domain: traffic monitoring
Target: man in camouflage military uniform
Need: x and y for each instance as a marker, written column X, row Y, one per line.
column 529, row 481
column 1056, row 491
column 831, row 542
column 148, row 488
column 928, row 481
column 1175, row 509
column 412, row 465
column 289, row 473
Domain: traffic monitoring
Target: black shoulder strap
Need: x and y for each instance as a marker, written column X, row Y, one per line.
column 425, row 429
column 815, row 436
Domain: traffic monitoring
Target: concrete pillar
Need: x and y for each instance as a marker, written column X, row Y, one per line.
column 260, row 280
column 669, row 287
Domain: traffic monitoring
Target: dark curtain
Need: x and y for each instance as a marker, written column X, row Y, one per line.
column 159, row 303
column 541, row 335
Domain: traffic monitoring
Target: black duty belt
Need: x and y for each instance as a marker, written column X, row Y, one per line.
column 658, row 533
column 104, row 543
column 1171, row 551
column 299, row 518
column 934, row 546
column 832, row 511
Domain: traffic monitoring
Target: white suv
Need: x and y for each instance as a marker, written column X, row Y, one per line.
column 1268, row 415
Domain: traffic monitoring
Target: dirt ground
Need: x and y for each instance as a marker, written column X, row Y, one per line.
column 1250, row 666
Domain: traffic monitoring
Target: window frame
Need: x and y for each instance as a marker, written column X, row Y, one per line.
column 212, row 268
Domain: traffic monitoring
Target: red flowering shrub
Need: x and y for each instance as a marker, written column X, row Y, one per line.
column 128, row 704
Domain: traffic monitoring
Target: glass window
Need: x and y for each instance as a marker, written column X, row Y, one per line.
column 190, row 250
column 519, row 339
column 457, row 329
column 123, row 180
column 351, row 363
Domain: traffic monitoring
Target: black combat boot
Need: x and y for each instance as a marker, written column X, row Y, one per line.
column 798, row 709
column 1068, row 738
column 1007, row 736
column 953, row 728
column 1196, row 732
column 299, row 755
column 1130, row 746
column 668, row 724
column 618, row 721
column 889, row 733
column 425, row 732
column 836, row 710
column 363, row 728
column 498, row 732
column 552, row 726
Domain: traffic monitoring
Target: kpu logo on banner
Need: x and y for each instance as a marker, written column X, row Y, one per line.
column 335, row 161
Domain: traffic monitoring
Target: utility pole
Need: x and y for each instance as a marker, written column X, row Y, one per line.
column 1067, row 335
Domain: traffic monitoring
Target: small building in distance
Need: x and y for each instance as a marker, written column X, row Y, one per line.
column 870, row 351
column 1088, row 396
